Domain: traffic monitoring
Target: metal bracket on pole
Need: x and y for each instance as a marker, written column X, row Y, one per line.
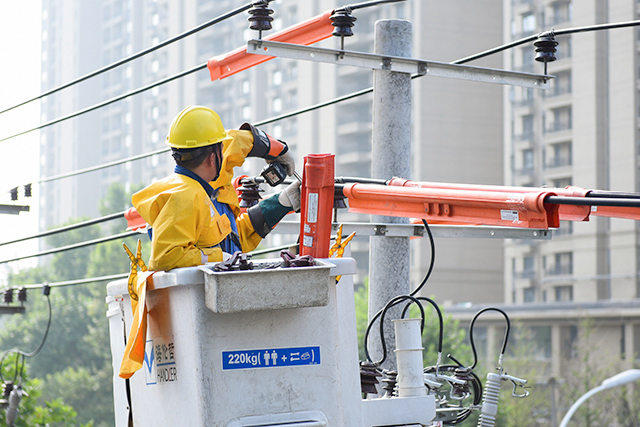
column 13, row 209
column 417, row 230
column 399, row 64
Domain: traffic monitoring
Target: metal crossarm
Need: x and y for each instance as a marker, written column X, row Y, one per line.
column 396, row 63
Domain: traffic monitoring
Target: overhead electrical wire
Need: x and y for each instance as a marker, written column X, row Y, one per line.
column 70, row 227
column 72, row 246
column 108, row 101
column 306, row 109
column 134, row 56
column 534, row 37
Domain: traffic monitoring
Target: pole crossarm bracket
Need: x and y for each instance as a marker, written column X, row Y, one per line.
column 398, row 64
column 13, row 209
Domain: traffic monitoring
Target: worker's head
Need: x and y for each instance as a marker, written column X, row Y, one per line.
column 195, row 136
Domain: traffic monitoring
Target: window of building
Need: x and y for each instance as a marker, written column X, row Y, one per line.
column 276, row 105
column 561, row 264
column 246, row 112
column 560, row 119
column 569, row 340
column 276, row 79
column 561, row 11
column 528, row 23
column 246, row 87
column 563, row 293
column 541, row 337
column 527, row 159
column 561, row 182
column 527, row 126
column 528, row 295
column 560, row 154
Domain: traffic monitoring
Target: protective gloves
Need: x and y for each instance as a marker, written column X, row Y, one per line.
column 266, row 214
column 290, row 196
column 269, row 148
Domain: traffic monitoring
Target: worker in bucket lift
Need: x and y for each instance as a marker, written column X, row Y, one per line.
column 194, row 213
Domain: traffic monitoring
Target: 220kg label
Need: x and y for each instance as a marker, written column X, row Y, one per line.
column 270, row 358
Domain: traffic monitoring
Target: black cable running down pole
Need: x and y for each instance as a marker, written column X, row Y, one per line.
column 69, row 227
column 535, row 37
column 134, row 56
column 596, row 201
column 73, row 246
column 109, row 101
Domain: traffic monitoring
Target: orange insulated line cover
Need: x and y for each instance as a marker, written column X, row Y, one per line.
column 509, row 209
column 305, row 33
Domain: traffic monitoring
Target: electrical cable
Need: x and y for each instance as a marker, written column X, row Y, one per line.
column 367, row 4
column 70, row 227
column 73, row 246
column 32, row 353
column 595, row 201
column 534, row 37
column 108, row 101
column 505, row 339
column 73, row 282
column 381, row 314
column 397, row 300
column 134, row 56
column 440, row 320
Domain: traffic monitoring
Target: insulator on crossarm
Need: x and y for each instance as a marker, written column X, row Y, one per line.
column 545, row 49
column 14, row 194
column 8, row 296
column 342, row 20
column 22, row 294
column 259, row 16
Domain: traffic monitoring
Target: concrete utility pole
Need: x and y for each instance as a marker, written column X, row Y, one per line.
column 390, row 156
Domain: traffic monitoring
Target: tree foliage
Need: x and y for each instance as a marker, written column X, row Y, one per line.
column 73, row 372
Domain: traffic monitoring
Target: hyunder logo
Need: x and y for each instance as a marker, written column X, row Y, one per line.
column 149, row 364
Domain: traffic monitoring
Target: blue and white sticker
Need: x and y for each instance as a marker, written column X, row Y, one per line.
column 159, row 361
column 270, row 358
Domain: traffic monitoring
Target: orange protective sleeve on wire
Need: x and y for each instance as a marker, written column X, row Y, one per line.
column 305, row 33
column 525, row 210
column 566, row 212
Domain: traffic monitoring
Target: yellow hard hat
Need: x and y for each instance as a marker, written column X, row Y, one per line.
column 196, row 126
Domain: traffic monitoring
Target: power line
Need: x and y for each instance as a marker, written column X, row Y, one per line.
column 73, row 246
column 134, row 56
column 534, row 37
column 103, row 166
column 68, row 227
column 109, row 101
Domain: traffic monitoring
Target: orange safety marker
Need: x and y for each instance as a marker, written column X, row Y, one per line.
column 316, row 205
column 510, row 209
column 305, row 33
column 134, row 220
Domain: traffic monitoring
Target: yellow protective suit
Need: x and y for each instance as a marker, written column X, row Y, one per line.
column 185, row 222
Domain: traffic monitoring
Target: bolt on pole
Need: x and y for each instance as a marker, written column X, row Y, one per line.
column 390, row 156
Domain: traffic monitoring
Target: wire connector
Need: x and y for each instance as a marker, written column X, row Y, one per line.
column 8, row 296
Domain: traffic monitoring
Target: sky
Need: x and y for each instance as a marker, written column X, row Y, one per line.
column 20, row 40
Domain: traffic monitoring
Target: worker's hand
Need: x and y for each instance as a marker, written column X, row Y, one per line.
column 290, row 196
column 225, row 256
column 286, row 160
